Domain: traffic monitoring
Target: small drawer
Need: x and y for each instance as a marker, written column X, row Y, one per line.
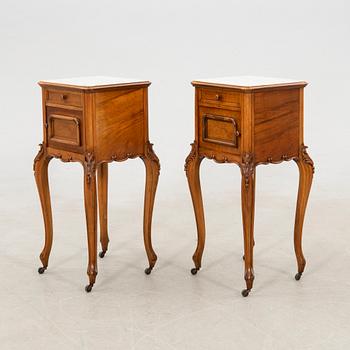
column 64, row 98
column 219, row 97
column 64, row 128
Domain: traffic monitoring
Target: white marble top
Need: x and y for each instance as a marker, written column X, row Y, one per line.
column 248, row 81
column 93, row 81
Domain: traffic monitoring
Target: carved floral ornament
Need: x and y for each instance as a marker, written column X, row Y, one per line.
column 89, row 166
column 247, row 167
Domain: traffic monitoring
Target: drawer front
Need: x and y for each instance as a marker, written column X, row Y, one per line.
column 219, row 98
column 64, row 98
column 64, row 129
column 220, row 129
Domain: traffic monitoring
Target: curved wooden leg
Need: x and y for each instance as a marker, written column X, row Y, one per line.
column 192, row 165
column 40, row 168
column 248, row 207
column 152, row 165
column 90, row 200
column 306, row 170
column 102, row 181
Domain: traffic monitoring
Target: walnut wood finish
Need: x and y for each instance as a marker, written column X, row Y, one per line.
column 192, row 165
column 90, row 199
column 102, row 180
column 248, row 203
column 151, row 162
column 95, row 126
column 40, row 167
column 306, row 171
column 251, row 126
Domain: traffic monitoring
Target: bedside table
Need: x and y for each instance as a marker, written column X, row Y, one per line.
column 95, row 121
column 249, row 121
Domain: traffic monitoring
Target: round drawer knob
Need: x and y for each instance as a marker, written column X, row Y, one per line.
column 64, row 97
column 217, row 97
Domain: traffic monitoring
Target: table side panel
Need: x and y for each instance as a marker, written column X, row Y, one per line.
column 276, row 124
column 119, row 123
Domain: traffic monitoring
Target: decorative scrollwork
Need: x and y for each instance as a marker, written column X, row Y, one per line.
column 149, row 154
column 63, row 158
column 122, row 157
column 270, row 160
column 247, row 167
column 193, row 155
column 216, row 158
column 306, row 158
column 39, row 155
column 90, row 166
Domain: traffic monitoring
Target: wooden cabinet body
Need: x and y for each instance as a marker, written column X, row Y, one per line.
column 95, row 121
column 249, row 121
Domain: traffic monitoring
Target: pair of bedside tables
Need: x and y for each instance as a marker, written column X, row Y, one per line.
column 244, row 120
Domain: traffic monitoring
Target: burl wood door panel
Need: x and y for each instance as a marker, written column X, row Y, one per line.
column 119, row 123
column 219, row 129
column 64, row 129
column 276, row 124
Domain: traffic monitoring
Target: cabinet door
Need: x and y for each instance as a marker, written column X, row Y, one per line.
column 64, row 129
column 220, row 129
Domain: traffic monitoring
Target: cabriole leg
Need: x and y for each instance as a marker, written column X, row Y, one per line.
column 40, row 168
column 306, row 170
column 192, row 165
column 152, row 165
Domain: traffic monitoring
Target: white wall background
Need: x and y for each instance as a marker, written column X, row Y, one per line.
column 172, row 43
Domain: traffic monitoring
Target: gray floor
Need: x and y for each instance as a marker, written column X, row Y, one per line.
column 171, row 309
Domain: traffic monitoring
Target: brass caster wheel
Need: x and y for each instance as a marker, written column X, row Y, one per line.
column 194, row 271
column 245, row 292
column 102, row 254
column 148, row 270
column 41, row 270
column 88, row 288
column 298, row 276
